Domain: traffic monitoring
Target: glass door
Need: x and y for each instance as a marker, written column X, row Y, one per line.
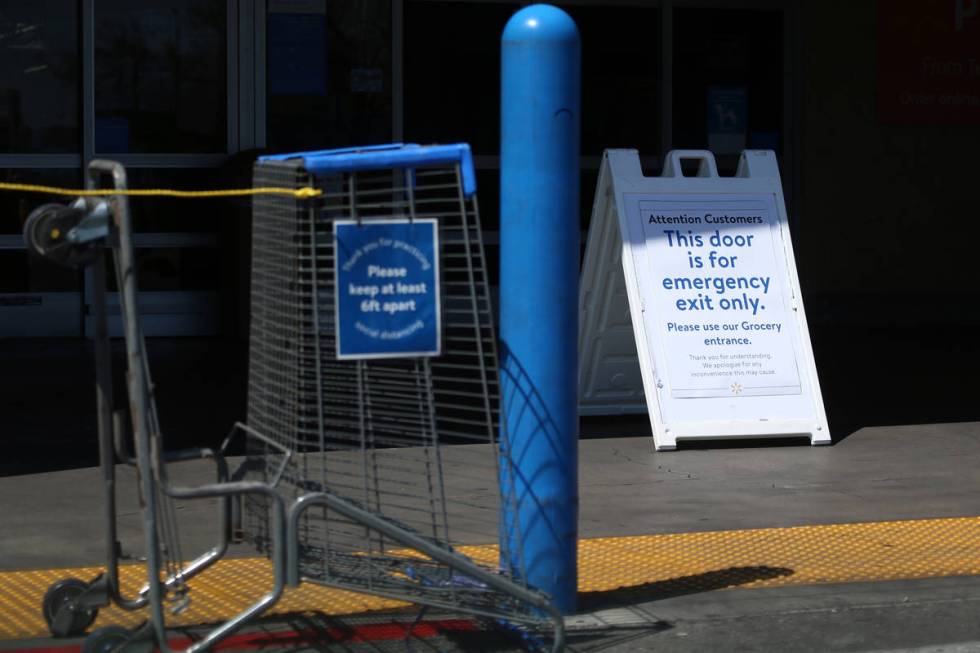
column 163, row 105
column 40, row 140
column 728, row 86
column 161, row 86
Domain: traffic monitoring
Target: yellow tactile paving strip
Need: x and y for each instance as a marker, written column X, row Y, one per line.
column 649, row 564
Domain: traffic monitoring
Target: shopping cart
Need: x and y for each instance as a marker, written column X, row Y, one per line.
column 396, row 466
column 379, row 475
column 76, row 235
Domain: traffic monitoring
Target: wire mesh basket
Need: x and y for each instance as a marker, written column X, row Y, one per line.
column 395, row 474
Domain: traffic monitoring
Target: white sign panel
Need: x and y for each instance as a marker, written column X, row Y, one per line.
column 713, row 298
column 717, row 294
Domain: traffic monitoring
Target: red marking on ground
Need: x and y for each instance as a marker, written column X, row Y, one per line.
column 354, row 634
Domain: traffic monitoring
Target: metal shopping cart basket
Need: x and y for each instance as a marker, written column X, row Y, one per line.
column 375, row 472
column 373, row 358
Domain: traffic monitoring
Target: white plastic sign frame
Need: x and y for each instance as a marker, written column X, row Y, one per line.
column 704, row 267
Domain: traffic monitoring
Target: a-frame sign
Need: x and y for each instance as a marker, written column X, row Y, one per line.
column 690, row 303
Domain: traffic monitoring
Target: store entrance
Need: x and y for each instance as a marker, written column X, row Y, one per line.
column 155, row 85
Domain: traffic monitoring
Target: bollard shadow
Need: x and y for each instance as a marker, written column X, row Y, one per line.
column 680, row 586
column 526, row 469
column 625, row 618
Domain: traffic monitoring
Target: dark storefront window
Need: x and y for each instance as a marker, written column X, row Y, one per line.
column 40, row 76
column 184, row 244
column 328, row 73
column 21, row 272
column 452, row 72
column 728, row 82
column 171, row 269
column 452, row 75
column 160, row 76
column 169, row 214
column 620, row 79
column 14, row 207
column 452, row 87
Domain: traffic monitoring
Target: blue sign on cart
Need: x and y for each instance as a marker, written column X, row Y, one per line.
column 387, row 275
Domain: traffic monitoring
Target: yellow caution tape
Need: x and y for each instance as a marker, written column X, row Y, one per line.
column 302, row 193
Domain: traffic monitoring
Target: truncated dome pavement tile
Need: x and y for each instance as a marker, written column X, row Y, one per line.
column 656, row 565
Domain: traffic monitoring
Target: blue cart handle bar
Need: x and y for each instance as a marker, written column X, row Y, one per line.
column 394, row 155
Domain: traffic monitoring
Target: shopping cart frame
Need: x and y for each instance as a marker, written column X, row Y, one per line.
column 72, row 605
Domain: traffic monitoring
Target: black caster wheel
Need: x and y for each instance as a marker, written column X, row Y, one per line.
column 64, row 617
column 107, row 639
column 46, row 234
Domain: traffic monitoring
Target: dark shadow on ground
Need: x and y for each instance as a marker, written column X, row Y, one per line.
column 694, row 584
column 597, row 427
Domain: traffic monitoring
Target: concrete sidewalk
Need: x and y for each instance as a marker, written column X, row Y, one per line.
column 627, row 489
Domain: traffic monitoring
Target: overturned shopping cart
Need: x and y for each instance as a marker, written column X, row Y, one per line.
column 372, row 463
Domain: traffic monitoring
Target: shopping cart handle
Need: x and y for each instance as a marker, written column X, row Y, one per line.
column 377, row 157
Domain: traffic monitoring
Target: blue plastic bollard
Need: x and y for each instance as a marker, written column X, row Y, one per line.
column 539, row 257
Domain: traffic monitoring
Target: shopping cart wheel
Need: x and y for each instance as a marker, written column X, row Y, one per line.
column 106, row 640
column 64, row 617
column 46, row 234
